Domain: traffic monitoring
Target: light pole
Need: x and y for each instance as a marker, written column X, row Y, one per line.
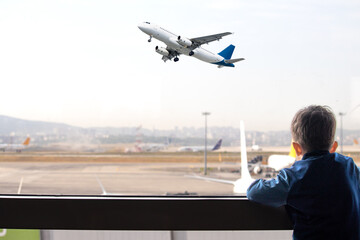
column 205, row 150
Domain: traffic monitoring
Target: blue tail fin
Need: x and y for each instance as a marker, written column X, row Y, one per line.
column 227, row 52
column 217, row 145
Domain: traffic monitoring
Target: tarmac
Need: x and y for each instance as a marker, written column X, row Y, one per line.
column 54, row 178
column 120, row 174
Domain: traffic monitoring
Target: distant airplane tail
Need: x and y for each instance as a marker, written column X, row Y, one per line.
column 292, row 152
column 217, row 145
column 227, row 52
column 26, row 142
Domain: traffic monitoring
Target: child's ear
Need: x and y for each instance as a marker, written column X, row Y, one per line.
column 298, row 149
column 334, row 147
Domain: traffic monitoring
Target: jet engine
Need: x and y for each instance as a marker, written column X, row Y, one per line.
column 257, row 170
column 184, row 41
column 162, row 51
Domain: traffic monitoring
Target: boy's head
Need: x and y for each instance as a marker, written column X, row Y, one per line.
column 313, row 128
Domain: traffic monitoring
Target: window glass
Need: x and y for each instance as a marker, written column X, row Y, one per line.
column 117, row 98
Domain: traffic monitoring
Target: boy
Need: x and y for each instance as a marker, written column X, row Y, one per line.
column 321, row 192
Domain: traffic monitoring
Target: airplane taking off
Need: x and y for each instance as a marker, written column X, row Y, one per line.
column 200, row 148
column 15, row 147
column 177, row 45
column 241, row 185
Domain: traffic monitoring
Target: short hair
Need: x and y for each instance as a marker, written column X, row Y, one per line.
column 314, row 127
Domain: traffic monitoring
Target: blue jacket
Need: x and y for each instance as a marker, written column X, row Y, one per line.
column 321, row 194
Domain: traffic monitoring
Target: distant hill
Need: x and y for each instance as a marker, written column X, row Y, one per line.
column 16, row 126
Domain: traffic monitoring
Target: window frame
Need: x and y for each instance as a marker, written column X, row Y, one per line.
column 139, row 213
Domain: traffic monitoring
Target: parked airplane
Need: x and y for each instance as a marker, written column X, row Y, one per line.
column 274, row 165
column 177, row 45
column 200, row 148
column 278, row 162
column 152, row 147
column 15, row 147
column 240, row 185
column 147, row 147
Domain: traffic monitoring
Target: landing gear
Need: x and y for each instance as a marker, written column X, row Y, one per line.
column 150, row 39
column 191, row 53
column 176, row 59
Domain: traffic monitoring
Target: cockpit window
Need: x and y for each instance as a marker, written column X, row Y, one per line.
column 147, row 22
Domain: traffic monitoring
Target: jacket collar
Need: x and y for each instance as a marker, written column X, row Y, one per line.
column 315, row 154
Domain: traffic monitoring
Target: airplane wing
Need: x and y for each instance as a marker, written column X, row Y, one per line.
column 206, row 39
column 212, row 179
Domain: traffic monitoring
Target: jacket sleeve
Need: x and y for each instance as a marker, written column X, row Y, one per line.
column 273, row 192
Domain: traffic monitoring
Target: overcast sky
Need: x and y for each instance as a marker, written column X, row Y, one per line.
column 86, row 63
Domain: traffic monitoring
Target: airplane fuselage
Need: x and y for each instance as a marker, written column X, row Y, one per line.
column 170, row 39
column 12, row 147
column 15, row 147
column 194, row 149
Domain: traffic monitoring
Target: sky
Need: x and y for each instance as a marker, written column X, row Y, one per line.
column 87, row 64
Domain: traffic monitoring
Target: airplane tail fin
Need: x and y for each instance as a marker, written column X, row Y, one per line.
column 26, row 142
column 292, row 152
column 227, row 52
column 217, row 145
column 244, row 162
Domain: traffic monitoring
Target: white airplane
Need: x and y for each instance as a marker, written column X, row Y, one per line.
column 152, row 147
column 200, row 148
column 177, row 45
column 278, row 162
column 241, row 185
column 147, row 147
column 15, row 147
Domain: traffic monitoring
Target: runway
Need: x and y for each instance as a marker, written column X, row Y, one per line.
column 108, row 178
column 119, row 174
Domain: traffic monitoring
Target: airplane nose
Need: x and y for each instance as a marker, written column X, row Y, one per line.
column 141, row 27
